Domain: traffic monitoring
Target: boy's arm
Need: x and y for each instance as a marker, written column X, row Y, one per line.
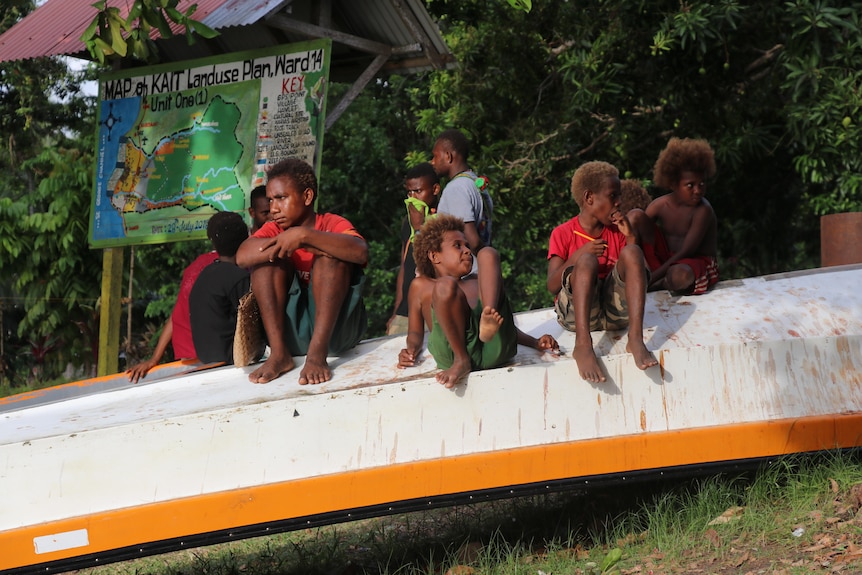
column 557, row 264
column 624, row 226
column 472, row 235
column 702, row 222
column 544, row 343
column 415, row 217
column 251, row 252
column 555, row 269
column 415, row 322
column 345, row 247
column 137, row 371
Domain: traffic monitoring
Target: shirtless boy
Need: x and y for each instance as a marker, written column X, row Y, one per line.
column 597, row 270
column 470, row 320
column 307, row 277
column 681, row 249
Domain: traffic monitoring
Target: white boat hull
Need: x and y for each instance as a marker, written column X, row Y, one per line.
column 755, row 368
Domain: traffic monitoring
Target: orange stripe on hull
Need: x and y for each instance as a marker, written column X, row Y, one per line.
column 112, row 530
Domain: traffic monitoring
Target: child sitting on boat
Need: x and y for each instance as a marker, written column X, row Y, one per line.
column 470, row 319
column 307, row 275
column 678, row 231
column 597, row 271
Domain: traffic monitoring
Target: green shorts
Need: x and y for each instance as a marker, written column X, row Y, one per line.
column 502, row 347
column 349, row 327
column 609, row 309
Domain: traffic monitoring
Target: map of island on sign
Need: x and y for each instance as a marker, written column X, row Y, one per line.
column 177, row 145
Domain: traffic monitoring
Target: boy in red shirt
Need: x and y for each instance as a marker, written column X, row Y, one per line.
column 307, row 277
column 597, row 270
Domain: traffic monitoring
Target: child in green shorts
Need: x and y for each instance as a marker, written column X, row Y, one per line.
column 597, row 271
column 307, row 277
column 471, row 322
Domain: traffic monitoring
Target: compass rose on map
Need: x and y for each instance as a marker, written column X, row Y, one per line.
column 110, row 120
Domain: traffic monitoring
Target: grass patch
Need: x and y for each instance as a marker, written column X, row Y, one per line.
column 790, row 517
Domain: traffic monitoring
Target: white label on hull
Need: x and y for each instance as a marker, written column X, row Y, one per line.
column 61, row 541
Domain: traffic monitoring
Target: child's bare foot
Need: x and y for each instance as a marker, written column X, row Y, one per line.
column 451, row 376
column 314, row 371
column 272, row 368
column 588, row 364
column 489, row 324
column 643, row 357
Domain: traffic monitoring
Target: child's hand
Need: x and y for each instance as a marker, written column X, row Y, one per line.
column 549, row 344
column 417, row 218
column 406, row 358
column 622, row 223
column 283, row 245
column 595, row 247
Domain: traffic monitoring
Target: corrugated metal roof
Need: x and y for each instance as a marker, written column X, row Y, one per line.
column 55, row 29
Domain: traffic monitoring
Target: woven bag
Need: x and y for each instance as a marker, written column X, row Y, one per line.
column 249, row 341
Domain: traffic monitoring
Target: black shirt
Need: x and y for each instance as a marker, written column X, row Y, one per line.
column 212, row 306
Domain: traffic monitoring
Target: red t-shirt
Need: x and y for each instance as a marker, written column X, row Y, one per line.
column 302, row 258
column 564, row 242
column 181, row 340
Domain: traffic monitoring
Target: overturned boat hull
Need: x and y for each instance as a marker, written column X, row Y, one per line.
column 104, row 470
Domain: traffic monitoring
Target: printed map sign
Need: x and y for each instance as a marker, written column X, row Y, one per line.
column 183, row 141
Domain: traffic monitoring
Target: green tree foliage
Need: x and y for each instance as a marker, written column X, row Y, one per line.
column 49, row 279
column 47, row 268
column 773, row 87
column 111, row 35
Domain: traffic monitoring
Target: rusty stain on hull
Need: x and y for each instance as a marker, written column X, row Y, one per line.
column 753, row 368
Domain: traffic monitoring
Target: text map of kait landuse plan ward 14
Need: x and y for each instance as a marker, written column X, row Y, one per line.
column 176, row 147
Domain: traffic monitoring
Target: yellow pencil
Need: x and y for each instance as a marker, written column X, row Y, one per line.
column 585, row 236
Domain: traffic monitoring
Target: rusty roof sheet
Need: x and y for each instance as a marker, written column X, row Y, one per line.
column 55, row 28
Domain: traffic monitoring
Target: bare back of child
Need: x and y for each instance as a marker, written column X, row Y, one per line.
column 470, row 320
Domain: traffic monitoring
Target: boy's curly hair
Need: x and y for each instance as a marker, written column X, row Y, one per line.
column 297, row 170
column 680, row 155
column 591, row 176
column 226, row 230
column 430, row 239
column 633, row 195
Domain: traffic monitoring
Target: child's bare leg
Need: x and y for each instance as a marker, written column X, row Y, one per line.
column 583, row 281
column 451, row 308
column 633, row 272
column 490, row 277
column 330, row 283
column 680, row 278
column 489, row 323
column 490, row 292
column 271, row 283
